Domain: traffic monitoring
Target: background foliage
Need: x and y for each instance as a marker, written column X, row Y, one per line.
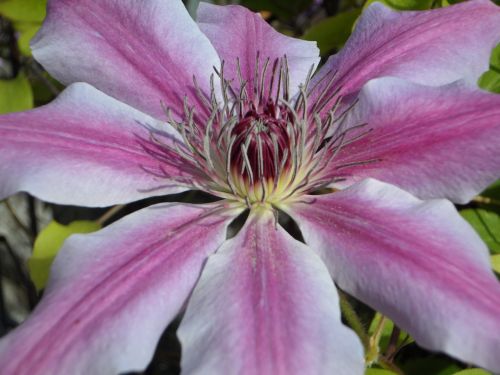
column 24, row 85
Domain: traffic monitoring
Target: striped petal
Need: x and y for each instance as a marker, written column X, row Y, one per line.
column 140, row 52
column 418, row 262
column 433, row 142
column 265, row 305
column 432, row 47
column 86, row 148
column 240, row 35
column 112, row 293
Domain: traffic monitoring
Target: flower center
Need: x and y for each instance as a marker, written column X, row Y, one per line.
column 259, row 146
column 260, row 142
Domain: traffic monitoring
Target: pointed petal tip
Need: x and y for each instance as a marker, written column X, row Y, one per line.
column 112, row 293
column 418, row 262
column 273, row 309
column 432, row 47
column 240, row 34
column 418, row 135
column 95, row 149
column 141, row 53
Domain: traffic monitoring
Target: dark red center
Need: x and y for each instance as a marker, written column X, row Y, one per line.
column 261, row 135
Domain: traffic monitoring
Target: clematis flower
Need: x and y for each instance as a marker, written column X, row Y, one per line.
column 365, row 155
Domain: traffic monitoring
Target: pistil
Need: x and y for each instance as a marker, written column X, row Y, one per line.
column 263, row 147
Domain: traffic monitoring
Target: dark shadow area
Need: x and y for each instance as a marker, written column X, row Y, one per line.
column 167, row 357
column 67, row 214
column 290, row 225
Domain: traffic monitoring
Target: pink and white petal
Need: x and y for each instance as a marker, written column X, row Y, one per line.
column 418, row 262
column 112, row 293
column 432, row 47
column 238, row 33
column 140, row 52
column 265, row 304
column 435, row 142
column 86, row 148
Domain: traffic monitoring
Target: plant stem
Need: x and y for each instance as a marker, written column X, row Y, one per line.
column 388, row 365
column 392, row 347
column 486, row 200
column 352, row 318
column 373, row 351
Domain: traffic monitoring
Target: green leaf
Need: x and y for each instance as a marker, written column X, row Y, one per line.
column 332, row 32
column 27, row 31
column 445, row 3
column 490, row 80
column 495, row 263
column 404, row 4
column 386, row 332
column 430, row 365
column 495, row 58
column 493, row 191
column 23, row 10
column 473, row 371
column 15, row 94
column 48, row 243
column 487, row 225
column 378, row 371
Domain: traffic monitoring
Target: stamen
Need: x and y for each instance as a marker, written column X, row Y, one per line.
column 325, row 90
column 358, row 137
column 260, row 158
column 358, row 163
column 286, row 80
column 278, row 88
column 309, row 77
column 207, row 142
column 259, row 146
column 246, row 162
column 224, row 88
column 242, row 81
column 340, row 119
column 256, row 77
column 228, row 166
column 273, row 74
column 263, row 80
column 200, row 95
column 283, row 163
column 275, row 158
column 213, row 96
